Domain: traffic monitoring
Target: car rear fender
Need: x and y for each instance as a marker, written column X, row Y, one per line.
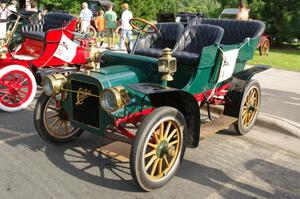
column 238, row 84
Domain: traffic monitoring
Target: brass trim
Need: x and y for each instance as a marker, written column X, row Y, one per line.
column 82, row 94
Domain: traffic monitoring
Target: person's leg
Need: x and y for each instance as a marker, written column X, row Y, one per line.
column 129, row 35
column 82, row 27
column 122, row 38
column 113, row 38
column 129, row 38
column 108, row 37
column 102, row 37
column 85, row 27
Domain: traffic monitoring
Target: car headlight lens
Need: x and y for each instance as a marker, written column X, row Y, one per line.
column 53, row 84
column 113, row 99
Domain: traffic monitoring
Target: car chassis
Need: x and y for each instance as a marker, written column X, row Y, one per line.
column 161, row 97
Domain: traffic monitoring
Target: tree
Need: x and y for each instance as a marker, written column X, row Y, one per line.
column 282, row 17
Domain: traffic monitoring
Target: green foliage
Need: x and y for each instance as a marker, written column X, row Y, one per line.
column 209, row 7
column 72, row 6
column 282, row 16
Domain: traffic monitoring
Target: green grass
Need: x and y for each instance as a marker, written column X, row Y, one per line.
column 281, row 58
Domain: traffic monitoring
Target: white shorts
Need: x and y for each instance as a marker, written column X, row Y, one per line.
column 85, row 25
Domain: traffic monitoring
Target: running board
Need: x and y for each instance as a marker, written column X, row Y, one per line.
column 218, row 124
column 116, row 150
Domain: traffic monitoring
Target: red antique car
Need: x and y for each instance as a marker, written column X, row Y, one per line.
column 50, row 44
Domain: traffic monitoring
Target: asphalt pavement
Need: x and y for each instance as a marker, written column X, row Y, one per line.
column 262, row 164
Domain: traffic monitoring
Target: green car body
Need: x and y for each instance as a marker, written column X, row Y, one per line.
column 136, row 69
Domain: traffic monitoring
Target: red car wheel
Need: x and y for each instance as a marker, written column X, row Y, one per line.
column 264, row 49
column 17, row 88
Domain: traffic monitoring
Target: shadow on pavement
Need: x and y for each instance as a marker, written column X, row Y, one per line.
column 285, row 182
column 215, row 178
column 80, row 160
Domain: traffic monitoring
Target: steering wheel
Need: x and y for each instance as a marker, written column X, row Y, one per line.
column 144, row 25
column 19, row 14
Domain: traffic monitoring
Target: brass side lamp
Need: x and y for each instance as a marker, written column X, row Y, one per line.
column 167, row 65
column 92, row 55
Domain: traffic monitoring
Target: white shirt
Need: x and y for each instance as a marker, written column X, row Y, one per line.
column 11, row 8
column 126, row 16
column 86, row 14
column 3, row 13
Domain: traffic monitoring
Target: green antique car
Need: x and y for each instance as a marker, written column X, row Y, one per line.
column 170, row 75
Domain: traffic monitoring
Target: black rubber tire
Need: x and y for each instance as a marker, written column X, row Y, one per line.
column 136, row 155
column 40, row 126
column 239, row 127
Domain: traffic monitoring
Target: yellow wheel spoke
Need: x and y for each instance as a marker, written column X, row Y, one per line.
column 66, row 127
column 60, row 125
column 173, row 143
column 153, row 152
column 166, row 161
column 150, row 162
column 161, row 133
column 171, row 135
column 156, row 137
column 167, row 130
column 154, row 167
column 160, row 167
column 54, row 123
column 152, row 145
column 52, row 116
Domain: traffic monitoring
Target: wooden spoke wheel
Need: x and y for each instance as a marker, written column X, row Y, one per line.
column 264, row 49
column 17, row 88
column 249, row 108
column 158, row 149
column 52, row 122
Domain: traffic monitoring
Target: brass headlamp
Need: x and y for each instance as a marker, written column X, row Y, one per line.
column 54, row 83
column 114, row 98
column 167, row 65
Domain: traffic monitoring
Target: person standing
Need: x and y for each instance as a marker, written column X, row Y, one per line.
column 243, row 13
column 100, row 25
column 111, row 25
column 13, row 6
column 3, row 11
column 85, row 18
column 126, row 29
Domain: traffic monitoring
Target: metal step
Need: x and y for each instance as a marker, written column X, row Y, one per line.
column 116, row 150
column 218, row 124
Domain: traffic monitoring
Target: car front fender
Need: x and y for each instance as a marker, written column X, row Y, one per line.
column 179, row 99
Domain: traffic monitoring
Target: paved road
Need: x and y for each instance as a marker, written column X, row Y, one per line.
column 262, row 164
column 281, row 93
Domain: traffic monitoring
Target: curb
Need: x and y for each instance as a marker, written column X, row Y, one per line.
column 278, row 124
column 270, row 122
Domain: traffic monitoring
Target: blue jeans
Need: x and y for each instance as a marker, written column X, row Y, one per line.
column 124, row 34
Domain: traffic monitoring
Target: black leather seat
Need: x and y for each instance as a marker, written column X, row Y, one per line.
column 189, row 48
column 50, row 21
column 167, row 35
column 34, row 35
column 235, row 31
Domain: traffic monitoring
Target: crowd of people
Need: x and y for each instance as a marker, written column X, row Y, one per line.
column 5, row 9
column 108, row 25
